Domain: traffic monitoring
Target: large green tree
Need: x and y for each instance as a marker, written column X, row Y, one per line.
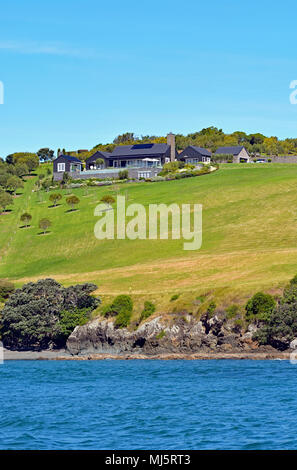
column 34, row 316
column 45, row 154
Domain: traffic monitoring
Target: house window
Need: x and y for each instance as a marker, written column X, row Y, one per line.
column 144, row 174
column 61, row 166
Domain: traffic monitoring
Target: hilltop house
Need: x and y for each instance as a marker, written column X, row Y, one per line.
column 240, row 154
column 194, row 155
column 141, row 161
column 140, row 156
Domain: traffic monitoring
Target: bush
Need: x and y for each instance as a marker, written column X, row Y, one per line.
column 149, row 309
column 174, row 297
column 260, row 306
column 171, row 167
column 107, row 199
column 161, row 334
column 6, row 288
column 232, row 311
column 123, row 319
column 280, row 329
column 123, row 175
column 122, row 308
column 211, row 308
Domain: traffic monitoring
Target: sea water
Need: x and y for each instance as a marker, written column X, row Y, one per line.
column 148, row 404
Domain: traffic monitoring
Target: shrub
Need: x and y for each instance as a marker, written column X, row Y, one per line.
column 281, row 327
column 149, row 309
column 260, row 306
column 171, row 167
column 122, row 308
column 294, row 280
column 161, row 334
column 66, row 177
column 6, row 288
column 123, row 175
column 232, row 311
column 122, row 302
column 211, row 308
column 174, row 297
column 107, row 199
column 123, row 319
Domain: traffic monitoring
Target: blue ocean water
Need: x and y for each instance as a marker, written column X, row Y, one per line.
column 148, row 404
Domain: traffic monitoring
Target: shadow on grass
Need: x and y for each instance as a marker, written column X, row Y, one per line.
column 53, row 206
column 71, row 210
column 25, row 226
column 47, row 232
column 7, row 211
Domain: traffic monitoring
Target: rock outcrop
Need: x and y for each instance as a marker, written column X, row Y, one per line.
column 184, row 334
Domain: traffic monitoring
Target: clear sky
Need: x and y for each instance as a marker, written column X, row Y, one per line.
column 77, row 73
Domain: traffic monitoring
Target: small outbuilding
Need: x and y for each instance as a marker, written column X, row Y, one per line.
column 240, row 154
column 194, row 155
column 67, row 163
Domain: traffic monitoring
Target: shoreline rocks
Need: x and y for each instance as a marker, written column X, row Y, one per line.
column 183, row 334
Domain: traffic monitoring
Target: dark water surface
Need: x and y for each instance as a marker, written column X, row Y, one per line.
column 223, row 404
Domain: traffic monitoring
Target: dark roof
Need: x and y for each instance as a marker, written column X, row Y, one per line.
column 139, row 149
column 229, row 150
column 105, row 154
column 98, row 154
column 70, row 158
column 201, row 150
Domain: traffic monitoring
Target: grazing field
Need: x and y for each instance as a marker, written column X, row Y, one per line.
column 249, row 237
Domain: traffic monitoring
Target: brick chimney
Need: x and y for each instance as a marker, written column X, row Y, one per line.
column 171, row 142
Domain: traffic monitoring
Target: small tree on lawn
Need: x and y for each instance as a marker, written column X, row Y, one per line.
column 72, row 201
column 44, row 224
column 14, row 183
column 55, row 197
column 108, row 199
column 46, row 183
column 5, row 200
column 26, row 218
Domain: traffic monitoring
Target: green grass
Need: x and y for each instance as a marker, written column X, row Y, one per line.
column 249, row 238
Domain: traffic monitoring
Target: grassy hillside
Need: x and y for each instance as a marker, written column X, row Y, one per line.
column 249, row 238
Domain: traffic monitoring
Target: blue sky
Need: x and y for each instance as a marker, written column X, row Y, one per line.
column 77, row 73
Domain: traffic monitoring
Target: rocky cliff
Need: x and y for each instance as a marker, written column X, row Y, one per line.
column 183, row 334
